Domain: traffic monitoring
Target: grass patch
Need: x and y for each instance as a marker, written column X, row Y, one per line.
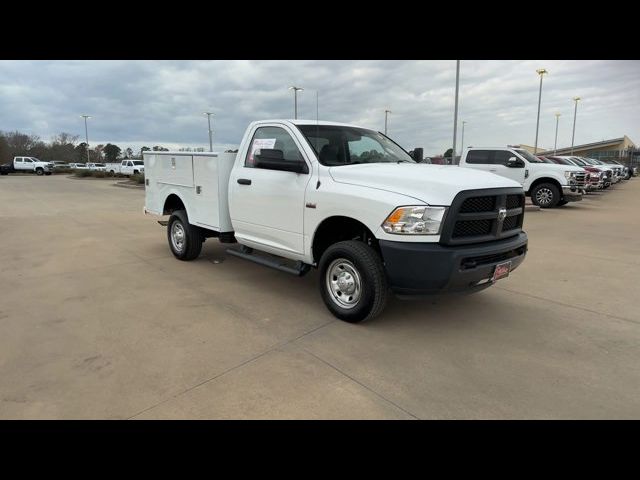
column 139, row 178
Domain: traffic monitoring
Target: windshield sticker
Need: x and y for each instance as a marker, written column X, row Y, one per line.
column 260, row 143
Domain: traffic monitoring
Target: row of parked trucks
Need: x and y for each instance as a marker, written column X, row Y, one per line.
column 33, row 165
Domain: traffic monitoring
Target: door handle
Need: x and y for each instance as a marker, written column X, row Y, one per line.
column 244, row 181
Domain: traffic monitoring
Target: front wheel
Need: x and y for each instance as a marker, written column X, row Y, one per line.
column 39, row 171
column 353, row 283
column 545, row 195
column 185, row 240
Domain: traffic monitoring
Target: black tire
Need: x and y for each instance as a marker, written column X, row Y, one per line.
column 372, row 280
column 39, row 171
column 192, row 237
column 136, row 172
column 545, row 195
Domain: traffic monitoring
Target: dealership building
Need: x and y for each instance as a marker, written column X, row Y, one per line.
column 621, row 149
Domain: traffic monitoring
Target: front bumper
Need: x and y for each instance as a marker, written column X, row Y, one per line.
column 428, row 268
column 572, row 193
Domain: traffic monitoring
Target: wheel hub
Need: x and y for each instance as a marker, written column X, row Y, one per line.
column 344, row 283
column 177, row 236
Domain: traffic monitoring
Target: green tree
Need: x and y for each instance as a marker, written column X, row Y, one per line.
column 111, row 152
column 448, row 153
column 80, row 152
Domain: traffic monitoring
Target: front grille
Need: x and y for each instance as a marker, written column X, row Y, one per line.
column 477, row 216
column 580, row 179
column 514, row 201
column 478, row 204
column 510, row 223
column 469, row 228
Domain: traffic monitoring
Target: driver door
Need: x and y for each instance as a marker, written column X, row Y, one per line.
column 267, row 206
column 500, row 162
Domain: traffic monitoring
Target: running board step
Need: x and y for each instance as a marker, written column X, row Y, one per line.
column 299, row 269
column 164, row 223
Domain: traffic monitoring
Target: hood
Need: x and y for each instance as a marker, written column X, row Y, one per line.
column 431, row 184
column 564, row 168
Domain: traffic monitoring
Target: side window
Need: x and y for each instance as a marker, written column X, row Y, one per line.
column 500, row 157
column 479, row 157
column 277, row 141
column 18, row 159
column 129, row 164
column 28, row 160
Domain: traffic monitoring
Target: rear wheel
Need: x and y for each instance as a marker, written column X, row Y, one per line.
column 353, row 283
column 545, row 195
column 185, row 240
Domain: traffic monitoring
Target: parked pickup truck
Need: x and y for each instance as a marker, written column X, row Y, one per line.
column 345, row 200
column 549, row 185
column 126, row 167
column 28, row 164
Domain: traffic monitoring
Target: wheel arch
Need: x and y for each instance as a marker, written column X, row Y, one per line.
column 540, row 180
column 338, row 228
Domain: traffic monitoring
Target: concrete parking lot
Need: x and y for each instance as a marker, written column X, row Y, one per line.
column 98, row 320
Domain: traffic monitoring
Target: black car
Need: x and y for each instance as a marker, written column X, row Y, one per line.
column 6, row 168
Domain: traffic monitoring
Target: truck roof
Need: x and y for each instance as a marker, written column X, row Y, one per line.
column 300, row 121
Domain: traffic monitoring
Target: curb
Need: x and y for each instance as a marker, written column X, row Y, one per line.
column 127, row 185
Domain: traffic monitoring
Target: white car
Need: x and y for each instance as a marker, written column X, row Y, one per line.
column 348, row 201
column 548, row 184
column 98, row 167
column 79, row 166
column 126, row 167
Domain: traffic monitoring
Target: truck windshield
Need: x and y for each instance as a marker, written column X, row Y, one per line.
column 529, row 157
column 336, row 145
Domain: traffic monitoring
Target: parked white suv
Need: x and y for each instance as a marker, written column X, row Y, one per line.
column 549, row 185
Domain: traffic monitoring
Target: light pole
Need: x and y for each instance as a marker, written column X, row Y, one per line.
column 86, row 133
column 541, row 72
column 575, row 112
column 455, row 114
column 208, row 114
column 295, row 99
column 462, row 146
column 385, row 120
column 555, row 144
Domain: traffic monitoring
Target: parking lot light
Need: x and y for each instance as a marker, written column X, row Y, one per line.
column 208, row 114
column 86, row 133
column 555, row 144
column 575, row 112
column 386, row 112
column 541, row 72
column 295, row 99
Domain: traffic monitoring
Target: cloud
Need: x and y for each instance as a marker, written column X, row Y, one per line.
column 135, row 103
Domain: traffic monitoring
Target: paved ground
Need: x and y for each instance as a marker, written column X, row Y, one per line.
column 98, row 320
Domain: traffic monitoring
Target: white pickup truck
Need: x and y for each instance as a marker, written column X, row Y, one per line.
column 346, row 200
column 29, row 164
column 548, row 184
column 126, row 167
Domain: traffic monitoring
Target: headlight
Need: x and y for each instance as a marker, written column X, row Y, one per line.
column 569, row 175
column 415, row 220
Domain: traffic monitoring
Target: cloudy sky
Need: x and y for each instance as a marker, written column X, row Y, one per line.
column 135, row 103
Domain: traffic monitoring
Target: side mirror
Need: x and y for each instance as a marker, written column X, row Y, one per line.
column 514, row 162
column 271, row 159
